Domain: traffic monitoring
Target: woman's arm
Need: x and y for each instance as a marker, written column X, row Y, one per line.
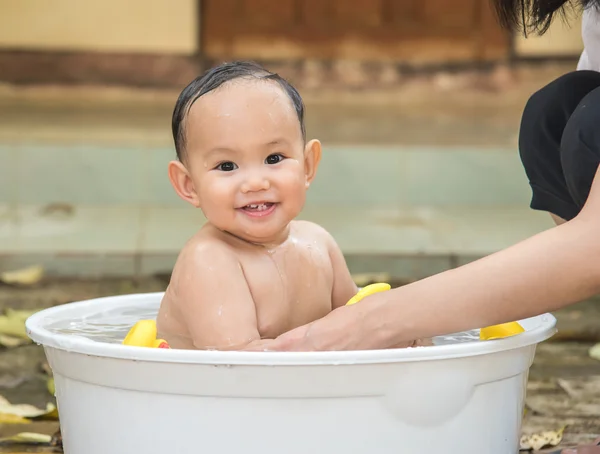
column 551, row 270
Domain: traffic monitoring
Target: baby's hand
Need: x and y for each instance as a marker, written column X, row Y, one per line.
column 259, row 345
column 294, row 340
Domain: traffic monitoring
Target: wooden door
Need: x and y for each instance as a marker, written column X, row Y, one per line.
column 413, row 31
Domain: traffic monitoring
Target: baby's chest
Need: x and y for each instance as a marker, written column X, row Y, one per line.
column 290, row 289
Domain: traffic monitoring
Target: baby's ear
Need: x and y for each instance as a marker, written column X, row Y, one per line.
column 182, row 183
column 312, row 158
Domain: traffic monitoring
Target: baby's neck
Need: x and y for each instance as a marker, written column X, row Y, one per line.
column 269, row 244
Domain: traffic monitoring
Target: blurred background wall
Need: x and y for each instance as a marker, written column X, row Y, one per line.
column 417, row 103
column 133, row 41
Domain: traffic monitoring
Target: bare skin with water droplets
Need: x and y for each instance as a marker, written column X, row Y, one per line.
column 252, row 272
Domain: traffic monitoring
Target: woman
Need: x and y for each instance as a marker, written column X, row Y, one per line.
column 559, row 145
column 560, row 148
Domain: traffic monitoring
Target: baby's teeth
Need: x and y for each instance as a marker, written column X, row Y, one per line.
column 258, row 207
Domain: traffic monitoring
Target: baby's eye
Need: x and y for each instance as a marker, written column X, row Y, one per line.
column 227, row 166
column 274, row 159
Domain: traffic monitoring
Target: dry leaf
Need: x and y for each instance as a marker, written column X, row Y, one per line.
column 585, row 389
column 563, row 406
column 9, row 381
column 51, row 414
column 9, row 418
column 543, row 439
column 542, row 386
column 20, row 314
column 12, row 342
column 50, row 386
column 595, row 352
column 57, row 440
column 28, row 411
column 29, row 438
column 25, row 276
column 12, row 326
column 45, row 367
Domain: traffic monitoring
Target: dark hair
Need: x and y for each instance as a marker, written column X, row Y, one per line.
column 213, row 79
column 534, row 15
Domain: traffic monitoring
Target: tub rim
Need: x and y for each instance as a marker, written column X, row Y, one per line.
column 546, row 328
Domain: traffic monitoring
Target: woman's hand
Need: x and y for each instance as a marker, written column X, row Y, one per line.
column 345, row 328
column 341, row 329
column 356, row 327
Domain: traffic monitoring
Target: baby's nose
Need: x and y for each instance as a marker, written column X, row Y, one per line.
column 256, row 183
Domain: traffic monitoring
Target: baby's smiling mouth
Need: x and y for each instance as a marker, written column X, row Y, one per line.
column 258, row 209
column 258, row 206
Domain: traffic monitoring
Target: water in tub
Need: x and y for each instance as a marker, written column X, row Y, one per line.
column 112, row 326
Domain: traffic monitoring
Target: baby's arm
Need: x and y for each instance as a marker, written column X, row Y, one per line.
column 344, row 287
column 213, row 296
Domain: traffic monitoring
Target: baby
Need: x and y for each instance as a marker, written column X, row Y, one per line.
column 251, row 272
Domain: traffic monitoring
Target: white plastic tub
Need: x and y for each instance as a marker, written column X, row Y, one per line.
column 112, row 399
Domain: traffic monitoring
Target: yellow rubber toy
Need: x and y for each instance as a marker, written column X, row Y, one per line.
column 143, row 334
column 368, row 290
column 500, row 331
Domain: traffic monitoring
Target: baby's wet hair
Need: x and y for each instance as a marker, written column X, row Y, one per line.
column 213, row 79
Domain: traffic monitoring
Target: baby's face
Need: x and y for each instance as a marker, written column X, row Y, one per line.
column 246, row 158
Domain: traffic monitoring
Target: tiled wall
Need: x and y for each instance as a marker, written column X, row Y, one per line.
column 351, row 176
column 110, row 210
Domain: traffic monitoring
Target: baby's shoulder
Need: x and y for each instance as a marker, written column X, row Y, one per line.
column 312, row 231
column 206, row 251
